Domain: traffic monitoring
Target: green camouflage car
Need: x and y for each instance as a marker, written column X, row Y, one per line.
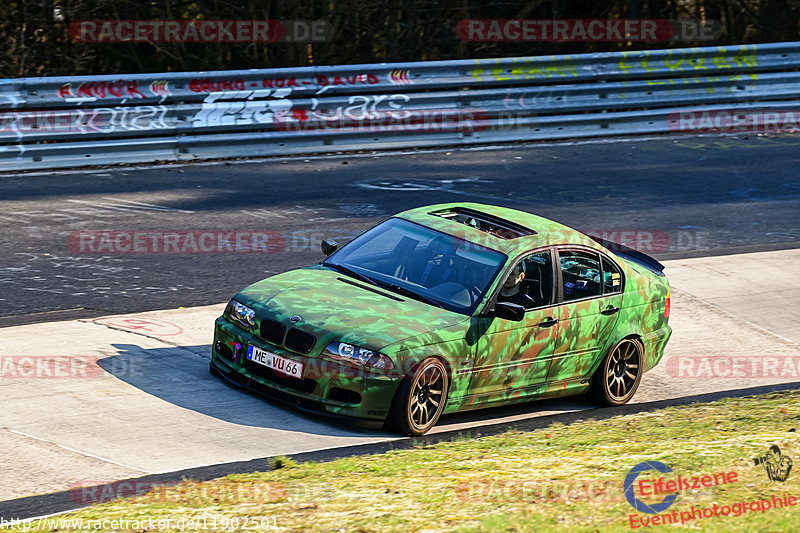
column 449, row 308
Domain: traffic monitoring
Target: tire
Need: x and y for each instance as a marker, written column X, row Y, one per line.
column 420, row 399
column 618, row 376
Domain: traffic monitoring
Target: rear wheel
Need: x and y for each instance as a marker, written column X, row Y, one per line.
column 420, row 399
column 616, row 380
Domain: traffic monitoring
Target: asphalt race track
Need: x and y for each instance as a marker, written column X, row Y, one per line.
column 722, row 212
column 687, row 195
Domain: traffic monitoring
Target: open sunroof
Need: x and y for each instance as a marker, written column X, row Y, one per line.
column 499, row 227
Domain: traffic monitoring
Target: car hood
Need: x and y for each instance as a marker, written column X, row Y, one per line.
column 336, row 307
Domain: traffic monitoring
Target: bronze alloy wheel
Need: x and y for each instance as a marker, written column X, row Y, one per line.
column 618, row 377
column 420, row 398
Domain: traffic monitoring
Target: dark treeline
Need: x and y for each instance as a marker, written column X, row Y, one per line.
column 36, row 41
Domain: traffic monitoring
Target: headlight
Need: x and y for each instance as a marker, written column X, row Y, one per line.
column 359, row 356
column 241, row 313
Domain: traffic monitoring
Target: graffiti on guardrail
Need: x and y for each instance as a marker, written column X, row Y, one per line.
column 644, row 63
column 81, row 121
column 80, row 92
column 524, row 68
column 459, row 102
column 208, row 85
column 379, row 112
column 216, row 111
column 399, row 76
column 92, row 90
column 319, row 82
column 160, row 88
column 89, row 91
column 355, row 79
column 44, row 121
column 360, row 106
column 527, row 99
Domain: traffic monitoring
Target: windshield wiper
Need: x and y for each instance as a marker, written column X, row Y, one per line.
column 416, row 296
column 396, row 288
column 350, row 272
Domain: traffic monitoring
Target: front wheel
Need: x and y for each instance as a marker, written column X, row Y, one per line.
column 618, row 377
column 420, row 399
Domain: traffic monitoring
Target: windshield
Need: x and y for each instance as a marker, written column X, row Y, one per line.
column 422, row 263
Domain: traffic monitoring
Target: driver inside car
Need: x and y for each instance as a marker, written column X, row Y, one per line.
column 512, row 290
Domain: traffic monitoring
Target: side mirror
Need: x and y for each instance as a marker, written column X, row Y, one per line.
column 509, row 311
column 329, row 246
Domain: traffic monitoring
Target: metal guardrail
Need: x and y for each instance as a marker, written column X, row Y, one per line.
column 74, row 121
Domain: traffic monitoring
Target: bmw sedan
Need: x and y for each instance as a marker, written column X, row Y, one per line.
column 448, row 308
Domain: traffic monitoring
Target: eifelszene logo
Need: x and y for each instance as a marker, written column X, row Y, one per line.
column 669, row 487
column 630, row 494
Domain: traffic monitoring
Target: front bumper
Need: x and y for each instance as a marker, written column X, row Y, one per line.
column 327, row 386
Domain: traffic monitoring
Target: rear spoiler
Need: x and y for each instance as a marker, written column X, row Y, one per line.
column 632, row 255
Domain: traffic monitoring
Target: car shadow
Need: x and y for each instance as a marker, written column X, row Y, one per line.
column 179, row 375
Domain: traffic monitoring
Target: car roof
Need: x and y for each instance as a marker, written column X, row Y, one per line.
column 543, row 231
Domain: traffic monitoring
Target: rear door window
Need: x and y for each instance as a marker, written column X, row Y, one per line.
column 580, row 274
column 612, row 277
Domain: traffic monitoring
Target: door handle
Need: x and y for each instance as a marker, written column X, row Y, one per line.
column 610, row 310
column 548, row 322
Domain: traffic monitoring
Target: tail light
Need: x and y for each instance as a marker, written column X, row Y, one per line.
column 666, row 307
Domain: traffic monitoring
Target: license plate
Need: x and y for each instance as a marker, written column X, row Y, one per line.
column 275, row 362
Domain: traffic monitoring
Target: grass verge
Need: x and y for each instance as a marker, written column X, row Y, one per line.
column 560, row 478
